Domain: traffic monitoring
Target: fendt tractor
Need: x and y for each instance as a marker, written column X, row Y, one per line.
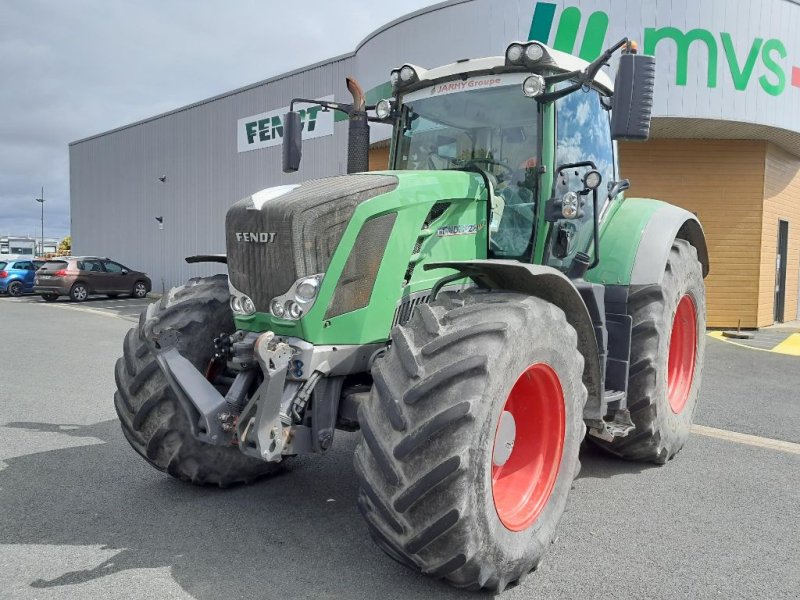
column 474, row 312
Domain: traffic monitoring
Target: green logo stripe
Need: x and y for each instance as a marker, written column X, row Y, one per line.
column 594, row 39
column 542, row 23
column 567, row 32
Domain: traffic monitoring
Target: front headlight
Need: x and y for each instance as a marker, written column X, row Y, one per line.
column 298, row 300
column 383, row 109
column 533, row 86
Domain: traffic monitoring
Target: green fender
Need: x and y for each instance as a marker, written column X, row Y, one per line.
column 635, row 241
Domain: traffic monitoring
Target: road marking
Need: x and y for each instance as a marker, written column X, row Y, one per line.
column 94, row 311
column 790, row 346
column 749, row 440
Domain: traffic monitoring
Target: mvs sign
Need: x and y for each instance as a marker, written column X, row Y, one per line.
column 266, row 129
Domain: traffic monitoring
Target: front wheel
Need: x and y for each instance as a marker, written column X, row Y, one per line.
column 154, row 423
column 139, row 289
column 49, row 297
column 471, row 437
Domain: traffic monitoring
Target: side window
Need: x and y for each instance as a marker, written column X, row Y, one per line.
column 25, row 265
column 92, row 266
column 113, row 267
column 583, row 133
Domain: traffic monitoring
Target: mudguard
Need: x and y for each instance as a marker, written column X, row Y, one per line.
column 635, row 241
column 553, row 286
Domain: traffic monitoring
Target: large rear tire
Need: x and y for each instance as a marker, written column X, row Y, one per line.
column 447, row 487
column 667, row 351
column 151, row 418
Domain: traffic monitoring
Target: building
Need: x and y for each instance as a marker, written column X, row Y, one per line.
column 725, row 137
column 26, row 245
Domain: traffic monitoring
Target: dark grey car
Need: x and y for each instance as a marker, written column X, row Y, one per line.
column 82, row 276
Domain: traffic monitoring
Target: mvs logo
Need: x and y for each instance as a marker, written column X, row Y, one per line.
column 768, row 55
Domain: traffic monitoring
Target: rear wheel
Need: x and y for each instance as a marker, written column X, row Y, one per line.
column 667, row 350
column 15, row 288
column 49, row 297
column 151, row 418
column 471, row 437
column 79, row 292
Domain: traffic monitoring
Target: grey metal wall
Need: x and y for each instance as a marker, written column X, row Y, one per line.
column 115, row 193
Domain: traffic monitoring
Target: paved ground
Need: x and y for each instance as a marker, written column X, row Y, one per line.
column 82, row 516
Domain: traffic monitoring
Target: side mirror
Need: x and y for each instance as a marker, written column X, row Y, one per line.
column 292, row 142
column 633, row 97
column 124, row 271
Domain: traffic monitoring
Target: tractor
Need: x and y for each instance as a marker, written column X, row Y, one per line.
column 475, row 312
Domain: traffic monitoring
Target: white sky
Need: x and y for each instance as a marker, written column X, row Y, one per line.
column 72, row 69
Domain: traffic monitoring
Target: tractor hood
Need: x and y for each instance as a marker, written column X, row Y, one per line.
column 280, row 234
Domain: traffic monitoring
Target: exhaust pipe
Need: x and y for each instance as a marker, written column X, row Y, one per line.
column 358, row 132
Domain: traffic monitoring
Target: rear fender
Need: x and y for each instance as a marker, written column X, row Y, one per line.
column 553, row 286
column 636, row 240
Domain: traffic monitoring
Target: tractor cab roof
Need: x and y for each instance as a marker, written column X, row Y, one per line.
column 552, row 60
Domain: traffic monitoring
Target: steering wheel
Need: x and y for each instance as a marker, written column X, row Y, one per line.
column 509, row 171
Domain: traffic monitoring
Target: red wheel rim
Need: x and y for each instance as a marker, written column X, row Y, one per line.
column 682, row 353
column 522, row 485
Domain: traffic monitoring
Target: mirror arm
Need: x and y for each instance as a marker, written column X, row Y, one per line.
column 345, row 108
column 584, row 77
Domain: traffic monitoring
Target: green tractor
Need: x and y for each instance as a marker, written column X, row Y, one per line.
column 475, row 312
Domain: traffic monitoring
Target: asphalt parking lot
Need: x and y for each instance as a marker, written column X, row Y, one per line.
column 82, row 516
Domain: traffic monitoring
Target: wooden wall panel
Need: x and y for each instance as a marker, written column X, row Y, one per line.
column 722, row 181
column 379, row 158
column 781, row 202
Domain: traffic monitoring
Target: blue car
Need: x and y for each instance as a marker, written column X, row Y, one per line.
column 17, row 274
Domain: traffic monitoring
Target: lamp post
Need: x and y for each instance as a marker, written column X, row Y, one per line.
column 40, row 200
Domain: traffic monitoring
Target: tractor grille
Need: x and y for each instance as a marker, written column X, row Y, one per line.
column 307, row 222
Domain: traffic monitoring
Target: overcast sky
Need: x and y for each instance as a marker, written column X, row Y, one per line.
column 71, row 69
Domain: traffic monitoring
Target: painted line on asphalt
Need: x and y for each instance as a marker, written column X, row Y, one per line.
column 792, row 347
column 748, row 440
column 93, row 311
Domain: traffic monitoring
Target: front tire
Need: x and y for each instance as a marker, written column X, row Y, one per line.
column 139, row 290
column 667, row 352
column 49, row 297
column 446, row 485
column 152, row 420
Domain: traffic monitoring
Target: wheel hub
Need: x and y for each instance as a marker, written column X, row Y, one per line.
column 528, row 445
column 504, row 439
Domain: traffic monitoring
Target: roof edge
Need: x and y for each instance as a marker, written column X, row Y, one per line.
column 412, row 15
column 245, row 88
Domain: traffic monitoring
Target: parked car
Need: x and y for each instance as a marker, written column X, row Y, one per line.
column 82, row 276
column 17, row 274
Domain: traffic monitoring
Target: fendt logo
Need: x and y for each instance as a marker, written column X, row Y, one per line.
column 771, row 54
column 266, row 129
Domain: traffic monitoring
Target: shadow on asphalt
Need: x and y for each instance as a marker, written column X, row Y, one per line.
column 297, row 533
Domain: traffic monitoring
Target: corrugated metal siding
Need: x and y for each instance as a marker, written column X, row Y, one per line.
column 722, row 182
column 781, row 202
column 115, row 193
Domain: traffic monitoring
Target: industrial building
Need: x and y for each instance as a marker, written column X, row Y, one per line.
column 725, row 138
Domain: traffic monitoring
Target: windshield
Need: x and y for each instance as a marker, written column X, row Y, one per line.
column 486, row 123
